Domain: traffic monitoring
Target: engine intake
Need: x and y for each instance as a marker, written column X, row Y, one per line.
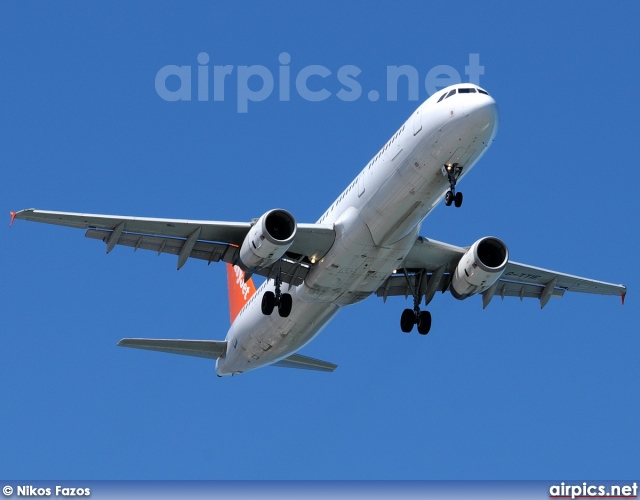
column 480, row 267
column 267, row 240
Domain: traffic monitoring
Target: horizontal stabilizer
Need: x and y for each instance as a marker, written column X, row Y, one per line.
column 305, row 363
column 211, row 349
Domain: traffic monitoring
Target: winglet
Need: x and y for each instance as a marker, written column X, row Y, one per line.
column 13, row 216
column 241, row 289
column 624, row 294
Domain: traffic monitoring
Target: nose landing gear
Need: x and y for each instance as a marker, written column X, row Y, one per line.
column 452, row 171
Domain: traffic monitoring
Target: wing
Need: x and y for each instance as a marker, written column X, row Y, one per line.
column 212, row 241
column 437, row 261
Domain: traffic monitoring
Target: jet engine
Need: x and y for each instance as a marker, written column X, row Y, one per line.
column 267, row 240
column 480, row 267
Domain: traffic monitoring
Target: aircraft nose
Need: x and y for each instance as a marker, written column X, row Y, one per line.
column 483, row 113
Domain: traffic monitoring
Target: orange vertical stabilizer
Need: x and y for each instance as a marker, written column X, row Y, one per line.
column 240, row 291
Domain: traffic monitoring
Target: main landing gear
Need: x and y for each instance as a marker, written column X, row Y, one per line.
column 415, row 316
column 282, row 301
column 452, row 171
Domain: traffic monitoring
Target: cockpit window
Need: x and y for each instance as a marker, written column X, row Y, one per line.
column 483, row 92
column 442, row 97
column 467, row 90
column 451, row 93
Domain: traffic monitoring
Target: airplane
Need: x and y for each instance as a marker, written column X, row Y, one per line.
column 366, row 243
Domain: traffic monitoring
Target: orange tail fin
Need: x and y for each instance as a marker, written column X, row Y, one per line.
column 240, row 291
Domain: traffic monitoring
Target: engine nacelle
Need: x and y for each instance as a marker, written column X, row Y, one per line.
column 480, row 267
column 267, row 240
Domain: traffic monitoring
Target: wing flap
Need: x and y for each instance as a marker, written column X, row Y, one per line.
column 211, row 252
column 305, row 363
column 292, row 272
column 524, row 291
column 523, row 273
column 397, row 286
column 211, row 349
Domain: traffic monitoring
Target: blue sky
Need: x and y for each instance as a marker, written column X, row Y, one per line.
column 510, row 392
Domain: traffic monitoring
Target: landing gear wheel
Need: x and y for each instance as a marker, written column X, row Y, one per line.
column 268, row 303
column 415, row 316
column 458, row 199
column 424, row 322
column 407, row 320
column 448, row 198
column 271, row 300
column 284, row 307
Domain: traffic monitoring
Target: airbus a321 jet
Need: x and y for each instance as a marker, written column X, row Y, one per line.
column 366, row 243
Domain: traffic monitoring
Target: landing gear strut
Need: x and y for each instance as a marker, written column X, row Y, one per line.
column 415, row 316
column 282, row 301
column 452, row 171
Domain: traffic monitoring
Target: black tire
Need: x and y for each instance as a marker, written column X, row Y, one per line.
column 268, row 303
column 407, row 320
column 286, row 302
column 424, row 323
column 458, row 199
column 448, row 198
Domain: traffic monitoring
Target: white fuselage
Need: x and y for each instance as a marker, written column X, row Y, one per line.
column 376, row 220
